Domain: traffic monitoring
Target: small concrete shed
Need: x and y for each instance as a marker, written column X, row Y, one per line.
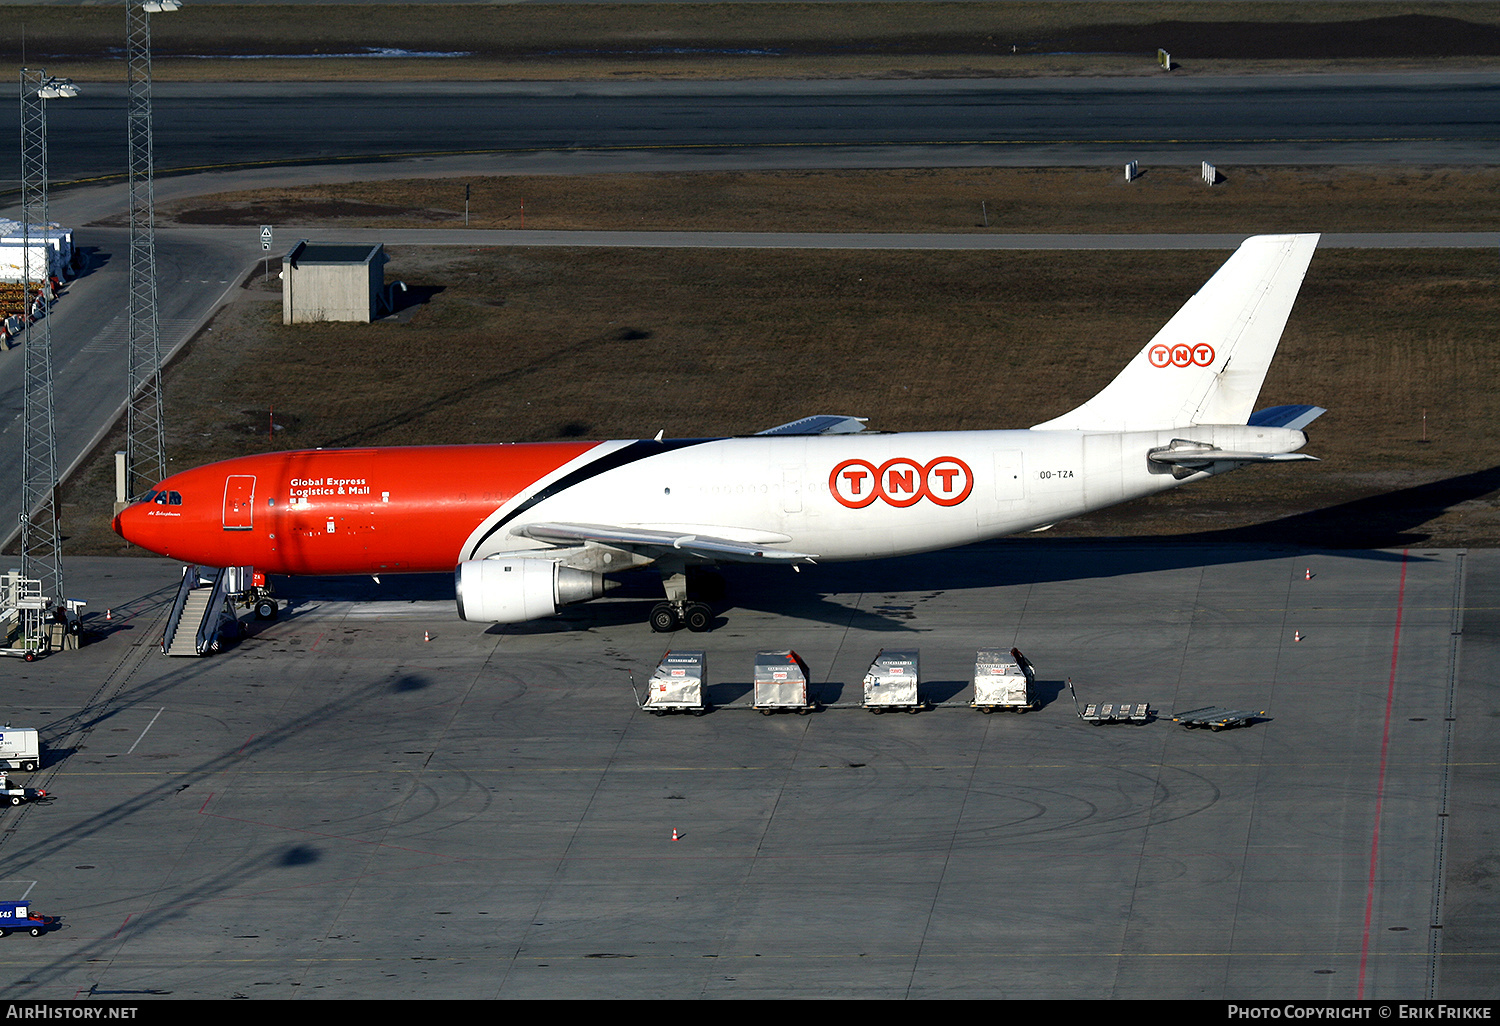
column 323, row 281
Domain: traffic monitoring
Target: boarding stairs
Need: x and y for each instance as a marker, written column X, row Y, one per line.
column 200, row 612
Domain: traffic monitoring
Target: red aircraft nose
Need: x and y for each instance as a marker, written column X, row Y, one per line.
column 136, row 525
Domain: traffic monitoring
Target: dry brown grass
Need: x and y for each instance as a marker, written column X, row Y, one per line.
column 525, row 344
column 920, row 200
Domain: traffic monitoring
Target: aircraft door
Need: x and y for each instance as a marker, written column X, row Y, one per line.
column 791, row 489
column 239, row 500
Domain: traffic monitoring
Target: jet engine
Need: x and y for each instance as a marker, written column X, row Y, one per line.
column 515, row 589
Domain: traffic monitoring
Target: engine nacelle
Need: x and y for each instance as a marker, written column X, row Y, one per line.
column 519, row 588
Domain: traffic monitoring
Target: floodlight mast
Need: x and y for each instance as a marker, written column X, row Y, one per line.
column 145, row 441
column 41, row 545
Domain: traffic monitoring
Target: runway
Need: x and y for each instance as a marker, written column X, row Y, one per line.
column 338, row 808
column 1430, row 118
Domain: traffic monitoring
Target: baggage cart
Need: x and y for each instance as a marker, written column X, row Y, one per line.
column 1100, row 713
column 893, row 681
column 677, row 685
column 1216, row 718
column 20, row 749
column 780, row 682
column 1004, row 680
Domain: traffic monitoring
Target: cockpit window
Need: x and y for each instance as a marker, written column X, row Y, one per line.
column 161, row 498
column 149, row 496
column 175, row 498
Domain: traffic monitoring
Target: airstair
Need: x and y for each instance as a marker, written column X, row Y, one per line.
column 23, row 610
column 200, row 613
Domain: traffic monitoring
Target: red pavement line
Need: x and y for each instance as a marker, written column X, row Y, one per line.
column 1385, row 743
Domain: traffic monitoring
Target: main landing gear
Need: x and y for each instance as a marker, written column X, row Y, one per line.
column 677, row 612
column 666, row 617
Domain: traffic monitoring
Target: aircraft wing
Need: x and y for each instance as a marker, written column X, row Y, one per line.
column 692, row 544
column 821, row 424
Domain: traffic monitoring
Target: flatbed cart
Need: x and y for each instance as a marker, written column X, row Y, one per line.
column 1216, row 718
column 677, row 685
column 1100, row 713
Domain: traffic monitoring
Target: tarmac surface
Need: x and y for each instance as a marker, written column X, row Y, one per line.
column 336, row 807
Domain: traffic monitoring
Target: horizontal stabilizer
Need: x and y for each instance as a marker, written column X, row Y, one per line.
column 821, row 424
column 1294, row 417
column 693, row 544
column 1179, row 455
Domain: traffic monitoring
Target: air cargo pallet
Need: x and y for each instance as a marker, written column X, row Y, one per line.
column 1215, row 718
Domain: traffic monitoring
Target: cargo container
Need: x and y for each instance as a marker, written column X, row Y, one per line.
column 893, row 681
column 780, row 682
column 678, row 684
column 1004, row 681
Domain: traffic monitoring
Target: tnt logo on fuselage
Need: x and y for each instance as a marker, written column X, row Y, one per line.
column 901, row 482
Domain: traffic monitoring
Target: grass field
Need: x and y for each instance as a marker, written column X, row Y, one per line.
column 530, row 344
column 206, row 41
column 1250, row 199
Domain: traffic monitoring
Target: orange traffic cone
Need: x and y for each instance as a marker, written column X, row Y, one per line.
column 674, row 834
column 1296, row 635
column 1309, row 573
column 109, row 614
column 426, row 636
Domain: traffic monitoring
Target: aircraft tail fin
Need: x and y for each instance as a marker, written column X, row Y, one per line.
column 1207, row 364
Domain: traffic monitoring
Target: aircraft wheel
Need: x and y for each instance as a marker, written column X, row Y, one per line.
column 266, row 609
column 699, row 616
column 663, row 618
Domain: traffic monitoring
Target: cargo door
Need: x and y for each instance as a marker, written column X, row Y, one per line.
column 791, row 489
column 239, row 499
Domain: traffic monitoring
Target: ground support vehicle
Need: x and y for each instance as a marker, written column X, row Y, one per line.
column 781, row 683
column 1004, row 681
column 893, row 681
column 20, row 748
column 678, row 684
column 1215, row 718
column 18, row 795
column 17, row 915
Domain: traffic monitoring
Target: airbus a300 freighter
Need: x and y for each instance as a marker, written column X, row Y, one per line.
column 530, row 527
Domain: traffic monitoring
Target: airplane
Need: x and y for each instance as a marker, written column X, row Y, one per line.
column 527, row 528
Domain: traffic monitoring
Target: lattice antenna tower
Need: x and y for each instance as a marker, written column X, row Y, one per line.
column 145, row 443
column 41, row 545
